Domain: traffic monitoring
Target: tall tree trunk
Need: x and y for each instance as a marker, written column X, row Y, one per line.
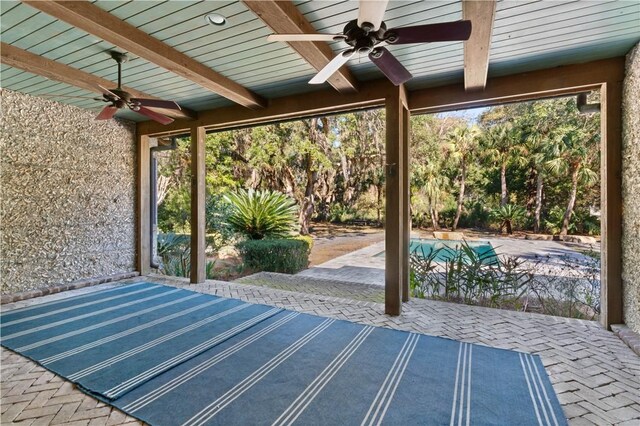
column 163, row 184
column 434, row 218
column 572, row 199
column 504, row 194
column 307, row 206
column 538, row 210
column 463, row 175
column 379, row 202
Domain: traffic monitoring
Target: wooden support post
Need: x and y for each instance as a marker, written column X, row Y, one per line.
column 395, row 270
column 611, row 204
column 143, row 247
column 406, row 205
column 198, row 245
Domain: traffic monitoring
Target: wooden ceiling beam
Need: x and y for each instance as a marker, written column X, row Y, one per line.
column 98, row 22
column 284, row 18
column 476, row 49
column 546, row 83
column 372, row 94
column 27, row 61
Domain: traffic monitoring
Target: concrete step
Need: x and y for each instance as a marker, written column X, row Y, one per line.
column 319, row 286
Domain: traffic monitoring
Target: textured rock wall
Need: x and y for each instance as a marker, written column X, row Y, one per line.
column 631, row 190
column 67, row 188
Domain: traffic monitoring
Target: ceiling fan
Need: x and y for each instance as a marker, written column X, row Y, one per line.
column 118, row 98
column 369, row 35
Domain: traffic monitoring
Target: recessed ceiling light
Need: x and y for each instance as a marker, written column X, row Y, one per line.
column 215, row 19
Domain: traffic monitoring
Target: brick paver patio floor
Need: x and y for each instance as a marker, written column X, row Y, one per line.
column 596, row 376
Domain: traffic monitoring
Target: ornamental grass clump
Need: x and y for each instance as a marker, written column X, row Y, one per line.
column 261, row 214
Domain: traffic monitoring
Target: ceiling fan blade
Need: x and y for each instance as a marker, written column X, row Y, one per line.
column 372, row 12
column 304, row 37
column 108, row 92
column 446, row 31
column 107, row 113
column 162, row 119
column 333, row 66
column 156, row 103
column 390, row 66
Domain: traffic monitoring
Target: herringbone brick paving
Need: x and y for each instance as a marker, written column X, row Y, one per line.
column 319, row 286
column 596, row 376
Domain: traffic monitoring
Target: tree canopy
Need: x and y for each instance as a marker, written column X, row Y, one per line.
column 542, row 157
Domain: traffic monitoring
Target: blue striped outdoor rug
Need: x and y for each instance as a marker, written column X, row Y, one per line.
column 171, row 356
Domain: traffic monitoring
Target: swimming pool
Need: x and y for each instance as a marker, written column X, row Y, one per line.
column 447, row 248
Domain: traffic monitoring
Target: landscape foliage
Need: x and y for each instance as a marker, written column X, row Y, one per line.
column 541, row 158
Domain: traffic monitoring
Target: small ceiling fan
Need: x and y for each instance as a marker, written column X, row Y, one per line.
column 118, row 98
column 369, row 35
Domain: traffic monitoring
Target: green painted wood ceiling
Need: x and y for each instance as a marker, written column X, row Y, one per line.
column 527, row 35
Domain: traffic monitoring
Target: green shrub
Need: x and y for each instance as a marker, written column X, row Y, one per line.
column 469, row 277
column 282, row 255
column 261, row 214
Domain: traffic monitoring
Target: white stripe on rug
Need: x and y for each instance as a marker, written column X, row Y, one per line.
column 107, row 339
column 528, row 362
column 456, row 386
column 531, row 394
column 67, row 299
column 80, row 317
column 398, row 378
column 133, row 382
column 200, row 368
column 71, row 308
column 547, row 400
column 139, row 349
column 315, row 387
column 461, row 409
column 103, row 324
column 380, row 404
column 219, row 404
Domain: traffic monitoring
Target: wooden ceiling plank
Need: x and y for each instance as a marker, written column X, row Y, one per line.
column 18, row 58
column 94, row 20
column 284, row 17
column 476, row 49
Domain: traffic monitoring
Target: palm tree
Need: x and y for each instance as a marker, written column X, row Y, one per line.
column 500, row 144
column 573, row 153
column 462, row 145
column 433, row 182
column 507, row 216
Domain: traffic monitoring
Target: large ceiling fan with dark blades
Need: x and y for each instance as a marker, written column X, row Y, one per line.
column 118, row 98
column 369, row 35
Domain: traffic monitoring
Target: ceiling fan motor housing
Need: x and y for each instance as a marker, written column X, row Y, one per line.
column 361, row 38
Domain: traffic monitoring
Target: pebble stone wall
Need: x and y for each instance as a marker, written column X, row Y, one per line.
column 631, row 191
column 67, row 188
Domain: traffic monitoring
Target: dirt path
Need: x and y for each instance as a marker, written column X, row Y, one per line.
column 331, row 241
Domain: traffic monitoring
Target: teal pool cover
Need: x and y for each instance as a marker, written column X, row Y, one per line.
column 172, row 356
column 445, row 250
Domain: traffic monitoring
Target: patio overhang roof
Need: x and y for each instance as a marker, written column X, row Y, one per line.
column 178, row 56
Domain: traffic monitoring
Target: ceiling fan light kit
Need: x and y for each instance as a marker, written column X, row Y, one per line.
column 368, row 34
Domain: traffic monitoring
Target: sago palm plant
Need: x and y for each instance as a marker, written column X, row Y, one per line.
column 507, row 216
column 261, row 214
